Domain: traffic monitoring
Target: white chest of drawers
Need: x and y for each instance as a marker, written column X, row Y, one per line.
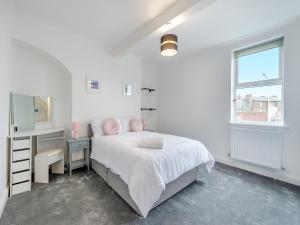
column 25, row 145
column 20, row 164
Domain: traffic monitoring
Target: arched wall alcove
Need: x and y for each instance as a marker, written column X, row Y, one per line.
column 84, row 56
column 37, row 73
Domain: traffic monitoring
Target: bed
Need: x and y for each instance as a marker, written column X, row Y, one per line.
column 146, row 177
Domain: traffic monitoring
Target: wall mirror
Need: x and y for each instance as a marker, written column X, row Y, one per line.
column 28, row 113
column 42, row 109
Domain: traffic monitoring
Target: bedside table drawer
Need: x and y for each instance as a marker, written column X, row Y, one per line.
column 80, row 144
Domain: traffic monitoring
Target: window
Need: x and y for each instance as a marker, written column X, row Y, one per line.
column 257, row 84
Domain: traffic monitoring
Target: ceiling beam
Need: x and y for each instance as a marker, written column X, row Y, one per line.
column 175, row 14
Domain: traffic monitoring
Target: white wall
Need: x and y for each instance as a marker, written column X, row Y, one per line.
column 5, row 45
column 38, row 74
column 83, row 56
column 194, row 99
column 149, row 100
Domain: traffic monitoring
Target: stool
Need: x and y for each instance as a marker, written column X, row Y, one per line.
column 42, row 161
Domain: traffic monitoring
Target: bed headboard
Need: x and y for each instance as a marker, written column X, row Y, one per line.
column 90, row 131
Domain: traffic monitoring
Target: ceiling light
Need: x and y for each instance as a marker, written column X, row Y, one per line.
column 168, row 45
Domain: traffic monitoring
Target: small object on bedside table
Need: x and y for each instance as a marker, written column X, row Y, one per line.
column 75, row 130
column 81, row 144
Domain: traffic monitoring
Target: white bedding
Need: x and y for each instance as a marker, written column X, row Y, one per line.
column 144, row 170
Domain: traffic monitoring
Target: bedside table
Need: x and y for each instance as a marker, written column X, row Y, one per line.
column 80, row 144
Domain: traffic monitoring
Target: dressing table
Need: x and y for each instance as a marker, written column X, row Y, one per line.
column 32, row 137
column 23, row 147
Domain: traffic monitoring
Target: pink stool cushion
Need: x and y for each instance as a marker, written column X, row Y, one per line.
column 136, row 125
column 110, row 127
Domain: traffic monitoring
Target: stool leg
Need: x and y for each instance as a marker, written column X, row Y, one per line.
column 59, row 167
column 41, row 171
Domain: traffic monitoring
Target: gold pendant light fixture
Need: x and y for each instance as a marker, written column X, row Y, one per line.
column 168, row 45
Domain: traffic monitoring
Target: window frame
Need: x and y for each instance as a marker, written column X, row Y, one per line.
column 263, row 83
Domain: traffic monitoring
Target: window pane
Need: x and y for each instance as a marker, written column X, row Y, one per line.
column 259, row 66
column 258, row 104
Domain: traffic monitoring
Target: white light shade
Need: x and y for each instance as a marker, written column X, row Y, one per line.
column 168, row 52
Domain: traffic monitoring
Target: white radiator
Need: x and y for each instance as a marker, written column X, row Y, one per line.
column 260, row 146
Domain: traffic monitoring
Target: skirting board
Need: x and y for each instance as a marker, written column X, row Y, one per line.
column 3, row 199
column 258, row 170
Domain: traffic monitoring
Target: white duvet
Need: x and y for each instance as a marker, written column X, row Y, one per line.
column 146, row 171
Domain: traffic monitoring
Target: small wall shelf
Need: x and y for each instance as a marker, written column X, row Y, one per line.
column 148, row 89
column 148, row 109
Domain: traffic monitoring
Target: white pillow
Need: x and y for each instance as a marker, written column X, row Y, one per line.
column 124, row 125
column 96, row 125
column 155, row 142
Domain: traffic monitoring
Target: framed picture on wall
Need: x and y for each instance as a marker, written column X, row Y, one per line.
column 127, row 89
column 93, row 85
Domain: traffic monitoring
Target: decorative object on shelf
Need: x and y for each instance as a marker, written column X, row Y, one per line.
column 168, row 45
column 75, row 130
column 149, row 109
column 148, row 89
column 93, row 85
column 81, row 144
column 127, row 89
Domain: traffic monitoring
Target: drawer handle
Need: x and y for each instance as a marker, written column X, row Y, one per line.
column 82, row 144
column 20, row 150
column 21, row 138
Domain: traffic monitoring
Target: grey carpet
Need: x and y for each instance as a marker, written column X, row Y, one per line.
column 227, row 196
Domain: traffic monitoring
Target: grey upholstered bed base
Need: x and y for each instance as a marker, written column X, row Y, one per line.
column 121, row 187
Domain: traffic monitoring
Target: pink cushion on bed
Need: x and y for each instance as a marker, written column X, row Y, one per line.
column 136, row 125
column 110, row 127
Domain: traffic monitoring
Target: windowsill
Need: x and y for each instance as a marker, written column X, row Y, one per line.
column 258, row 125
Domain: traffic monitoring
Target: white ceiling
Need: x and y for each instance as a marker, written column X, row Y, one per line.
column 113, row 20
column 223, row 21
column 108, row 20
